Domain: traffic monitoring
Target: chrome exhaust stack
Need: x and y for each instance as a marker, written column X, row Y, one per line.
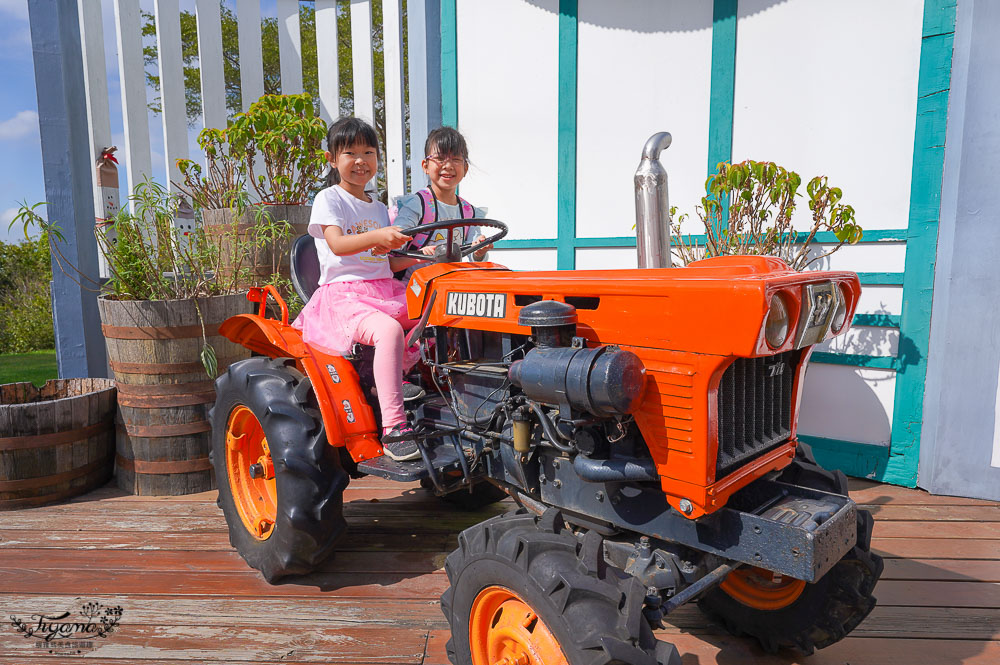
column 652, row 205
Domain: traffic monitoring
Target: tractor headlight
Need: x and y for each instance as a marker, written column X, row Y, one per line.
column 840, row 314
column 778, row 323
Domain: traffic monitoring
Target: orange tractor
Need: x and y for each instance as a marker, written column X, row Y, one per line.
column 643, row 420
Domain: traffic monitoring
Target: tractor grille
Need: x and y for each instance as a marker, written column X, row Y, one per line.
column 755, row 408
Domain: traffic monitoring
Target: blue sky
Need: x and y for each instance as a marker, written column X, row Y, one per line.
column 21, row 175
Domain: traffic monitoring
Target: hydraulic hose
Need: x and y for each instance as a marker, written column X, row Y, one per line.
column 615, row 470
column 550, row 429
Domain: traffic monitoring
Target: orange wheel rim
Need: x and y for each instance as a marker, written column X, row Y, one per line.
column 505, row 630
column 762, row 589
column 255, row 497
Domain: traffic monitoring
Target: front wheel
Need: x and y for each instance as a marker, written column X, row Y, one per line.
column 280, row 483
column 782, row 612
column 523, row 590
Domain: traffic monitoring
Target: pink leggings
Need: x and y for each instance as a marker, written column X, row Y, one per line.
column 386, row 335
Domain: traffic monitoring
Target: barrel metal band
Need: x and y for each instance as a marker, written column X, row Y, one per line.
column 164, row 467
column 45, row 481
column 55, row 438
column 119, row 367
column 158, row 332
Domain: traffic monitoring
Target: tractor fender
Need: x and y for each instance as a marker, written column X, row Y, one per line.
column 269, row 337
column 347, row 417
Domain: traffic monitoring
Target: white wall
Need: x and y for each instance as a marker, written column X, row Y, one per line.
column 644, row 67
column 830, row 88
column 508, row 110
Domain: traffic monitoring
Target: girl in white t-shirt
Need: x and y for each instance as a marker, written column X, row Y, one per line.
column 357, row 299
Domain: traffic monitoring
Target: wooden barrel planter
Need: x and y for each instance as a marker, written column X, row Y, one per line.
column 164, row 393
column 222, row 222
column 56, row 441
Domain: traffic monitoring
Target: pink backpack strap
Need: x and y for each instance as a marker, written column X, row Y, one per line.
column 468, row 212
column 428, row 215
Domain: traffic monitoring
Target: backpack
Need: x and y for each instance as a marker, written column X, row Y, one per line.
column 428, row 204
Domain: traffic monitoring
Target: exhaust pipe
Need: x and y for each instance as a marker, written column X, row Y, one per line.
column 652, row 205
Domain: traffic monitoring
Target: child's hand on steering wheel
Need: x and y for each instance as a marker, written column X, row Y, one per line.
column 387, row 239
column 481, row 254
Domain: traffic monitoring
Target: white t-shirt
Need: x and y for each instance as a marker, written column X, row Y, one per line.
column 334, row 206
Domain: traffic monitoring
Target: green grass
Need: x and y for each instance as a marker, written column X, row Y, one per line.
column 37, row 367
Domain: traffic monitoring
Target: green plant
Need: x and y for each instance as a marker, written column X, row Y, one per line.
column 149, row 259
column 284, row 133
column 748, row 210
column 222, row 185
column 25, row 301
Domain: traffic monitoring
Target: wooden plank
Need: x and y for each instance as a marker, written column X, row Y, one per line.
column 935, row 548
column 231, row 584
column 327, row 61
column 211, row 561
column 251, row 59
column 213, row 81
column 388, row 520
column 884, row 621
column 223, row 611
column 924, row 593
column 395, row 140
column 172, row 103
column 359, row 501
column 867, row 492
column 354, row 540
column 936, row 513
column 132, row 76
column 942, row 569
column 255, row 643
column 290, row 47
column 981, row 530
column 361, row 55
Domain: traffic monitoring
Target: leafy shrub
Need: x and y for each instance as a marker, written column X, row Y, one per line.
column 25, row 301
column 748, row 210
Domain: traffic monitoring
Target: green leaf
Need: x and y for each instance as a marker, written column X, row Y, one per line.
column 209, row 360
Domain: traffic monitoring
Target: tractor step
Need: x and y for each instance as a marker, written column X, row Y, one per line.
column 442, row 456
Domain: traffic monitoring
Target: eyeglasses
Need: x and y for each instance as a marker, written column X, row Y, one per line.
column 441, row 161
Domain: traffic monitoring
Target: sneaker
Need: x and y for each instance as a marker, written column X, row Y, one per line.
column 399, row 444
column 412, row 391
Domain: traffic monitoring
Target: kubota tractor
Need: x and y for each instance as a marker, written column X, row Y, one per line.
column 643, row 420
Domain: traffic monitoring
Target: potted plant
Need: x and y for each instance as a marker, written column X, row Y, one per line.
column 160, row 312
column 760, row 198
column 276, row 147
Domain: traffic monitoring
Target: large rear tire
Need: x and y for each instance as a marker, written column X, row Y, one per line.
column 787, row 613
column 524, row 590
column 285, row 514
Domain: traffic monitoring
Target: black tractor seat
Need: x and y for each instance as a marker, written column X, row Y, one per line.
column 305, row 266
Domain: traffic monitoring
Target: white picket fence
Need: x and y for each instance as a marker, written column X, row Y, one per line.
column 135, row 94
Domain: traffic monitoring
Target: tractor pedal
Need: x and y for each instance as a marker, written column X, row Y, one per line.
column 443, row 458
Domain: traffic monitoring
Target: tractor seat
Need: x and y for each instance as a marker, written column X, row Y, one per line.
column 305, row 266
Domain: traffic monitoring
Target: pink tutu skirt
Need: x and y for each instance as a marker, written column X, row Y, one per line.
column 330, row 319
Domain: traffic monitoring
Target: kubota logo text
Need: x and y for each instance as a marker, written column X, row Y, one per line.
column 489, row 305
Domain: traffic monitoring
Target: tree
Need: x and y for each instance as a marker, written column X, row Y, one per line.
column 272, row 69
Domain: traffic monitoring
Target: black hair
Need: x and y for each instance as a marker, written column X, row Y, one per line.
column 446, row 142
column 343, row 134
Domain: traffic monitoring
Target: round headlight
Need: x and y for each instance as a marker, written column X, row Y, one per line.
column 778, row 322
column 840, row 314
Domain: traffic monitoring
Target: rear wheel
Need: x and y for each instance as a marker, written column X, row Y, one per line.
column 280, row 483
column 782, row 612
column 525, row 591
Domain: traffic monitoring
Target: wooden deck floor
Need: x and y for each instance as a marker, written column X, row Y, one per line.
column 187, row 597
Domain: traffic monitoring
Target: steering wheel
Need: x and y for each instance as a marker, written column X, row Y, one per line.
column 452, row 252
